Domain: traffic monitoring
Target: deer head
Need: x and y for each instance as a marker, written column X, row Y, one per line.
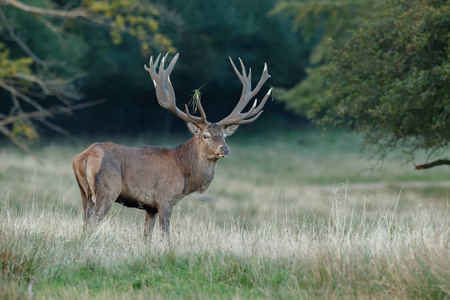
column 210, row 135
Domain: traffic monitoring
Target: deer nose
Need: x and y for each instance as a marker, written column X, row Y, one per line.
column 225, row 150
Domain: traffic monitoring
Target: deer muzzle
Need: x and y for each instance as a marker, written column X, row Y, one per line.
column 223, row 151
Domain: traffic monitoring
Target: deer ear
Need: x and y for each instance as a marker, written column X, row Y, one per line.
column 229, row 130
column 194, row 129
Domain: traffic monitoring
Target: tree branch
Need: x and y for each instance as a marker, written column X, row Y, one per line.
column 20, row 95
column 24, row 46
column 48, row 112
column 6, row 132
column 71, row 14
column 439, row 162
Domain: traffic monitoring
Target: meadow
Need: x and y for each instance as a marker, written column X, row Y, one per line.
column 290, row 216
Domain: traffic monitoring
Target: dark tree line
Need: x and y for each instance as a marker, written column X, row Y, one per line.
column 96, row 50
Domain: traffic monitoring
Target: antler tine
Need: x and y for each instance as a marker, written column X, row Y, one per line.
column 243, row 68
column 152, row 68
column 164, row 89
column 254, row 111
column 156, row 61
column 237, row 116
column 235, row 69
column 202, row 111
column 246, row 86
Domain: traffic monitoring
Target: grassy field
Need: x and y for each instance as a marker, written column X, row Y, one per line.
column 288, row 216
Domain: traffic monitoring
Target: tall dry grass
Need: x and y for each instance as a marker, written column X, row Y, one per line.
column 350, row 253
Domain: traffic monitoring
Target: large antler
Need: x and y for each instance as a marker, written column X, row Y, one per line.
column 165, row 93
column 237, row 116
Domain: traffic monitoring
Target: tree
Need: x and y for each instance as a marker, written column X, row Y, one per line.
column 390, row 81
column 38, row 68
column 322, row 23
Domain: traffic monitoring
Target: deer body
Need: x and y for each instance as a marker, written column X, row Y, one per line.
column 155, row 178
column 143, row 177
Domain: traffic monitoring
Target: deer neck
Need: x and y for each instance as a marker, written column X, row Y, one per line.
column 197, row 169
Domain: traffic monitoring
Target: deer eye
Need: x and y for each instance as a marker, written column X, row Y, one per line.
column 205, row 136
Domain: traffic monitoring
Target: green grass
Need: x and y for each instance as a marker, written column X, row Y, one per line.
column 287, row 216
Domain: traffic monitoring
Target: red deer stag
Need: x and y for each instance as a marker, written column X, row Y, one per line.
column 153, row 178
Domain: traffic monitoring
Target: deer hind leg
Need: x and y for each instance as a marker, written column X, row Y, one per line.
column 86, row 198
column 88, row 208
column 107, row 189
column 104, row 200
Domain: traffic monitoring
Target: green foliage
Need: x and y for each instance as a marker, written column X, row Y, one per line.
column 385, row 76
column 10, row 67
column 305, row 94
column 137, row 18
column 24, row 131
column 322, row 19
column 391, row 79
column 322, row 22
column 216, row 30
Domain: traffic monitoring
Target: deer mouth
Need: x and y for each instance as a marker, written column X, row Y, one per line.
column 222, row 152
column 217, row 156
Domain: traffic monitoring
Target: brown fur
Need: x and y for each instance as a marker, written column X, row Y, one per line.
column 149, row 178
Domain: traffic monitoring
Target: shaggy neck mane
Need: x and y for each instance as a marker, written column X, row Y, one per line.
column 198, row 170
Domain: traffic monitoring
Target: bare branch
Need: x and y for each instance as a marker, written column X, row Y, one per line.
column 28, row 115
column 57, row 87
column 19, row 42
column 22, row 96
column 71, row 14
column 17, row 105
column 36, row 80
column 6, row 132
column 48, row 112
column 57, row 128
column 49, row 25
column 439, row 162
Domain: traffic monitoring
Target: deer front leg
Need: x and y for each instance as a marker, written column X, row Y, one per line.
column 150, row 219
column 165, row 212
